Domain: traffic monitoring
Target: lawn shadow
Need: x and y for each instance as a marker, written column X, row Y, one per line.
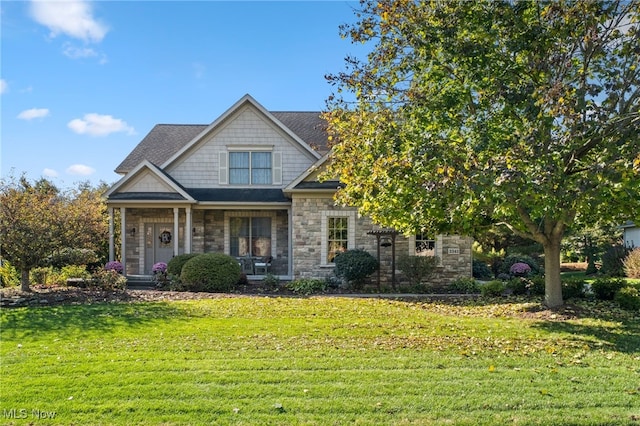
column 623, row 338
column 76, row 319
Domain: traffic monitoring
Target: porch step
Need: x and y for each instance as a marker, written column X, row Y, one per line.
column 140, row 281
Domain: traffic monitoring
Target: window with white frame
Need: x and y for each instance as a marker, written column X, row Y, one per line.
column 338, row 234
column 424, row 245
column 250, row 236
column 250, row 168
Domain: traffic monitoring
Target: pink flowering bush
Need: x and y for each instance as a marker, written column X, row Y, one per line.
column 520, row 269
column 114, row 265
column 159, row 268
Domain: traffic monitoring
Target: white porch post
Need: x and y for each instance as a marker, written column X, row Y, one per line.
column 176, row 240
column 123, row 239
column 112, row 249
column 187, row 231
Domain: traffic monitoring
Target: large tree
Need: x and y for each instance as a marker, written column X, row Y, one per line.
column 467, row 114
column 37, row 220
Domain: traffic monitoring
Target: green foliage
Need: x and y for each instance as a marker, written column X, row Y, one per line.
column 211, row 272
column 536, row 287
column 73, row 271
column 481, row 270
column 518, row 286
column 613, row 261
column 465, row 286
column 512, row 259
column 73, row 256
column 573, row 288
column 605, row 288
column 632, row 264
column 628, row 298
column 307, row 286
column 493, row 288
column 355, row 266
column 271, row 281
column 108, row 280
column 9, row 276
column 174, row 266
column 417, row 268
column 44, row 275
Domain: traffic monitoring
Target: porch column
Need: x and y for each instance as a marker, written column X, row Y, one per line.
column 176, row 240
column 123, row 239
column 187, row 231
column 112, row 249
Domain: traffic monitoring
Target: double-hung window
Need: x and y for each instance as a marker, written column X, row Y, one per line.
column 250, row 168
column 250, row 236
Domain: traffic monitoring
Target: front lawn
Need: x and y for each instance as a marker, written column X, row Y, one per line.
column 320, row 360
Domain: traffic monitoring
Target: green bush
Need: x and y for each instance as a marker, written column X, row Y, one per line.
column 492, row 288
column 307, row 286
column 573, row 288
column 465, row 286
column 481, row 270
column 512, row 259
column 73, row 271
column 174, row 266
column 518, row 286
column 536, row 286
column 606, row 288
column 271, row 281
column 417, row 268
column 612, row 261
column 73, row 256
column 108, row 280
column 628, row 298
column 632, row 264
column 355, row 266
column 9, row 276
column 44, row 275
column 211, row 272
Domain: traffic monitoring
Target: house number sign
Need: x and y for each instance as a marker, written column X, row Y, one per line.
column 165, row 237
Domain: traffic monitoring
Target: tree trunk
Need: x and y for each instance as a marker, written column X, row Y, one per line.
column 552, row 284
column 24, row 281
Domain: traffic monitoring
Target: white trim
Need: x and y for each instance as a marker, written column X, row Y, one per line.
column 146, row 165
column 351, row 232
column 251, row 213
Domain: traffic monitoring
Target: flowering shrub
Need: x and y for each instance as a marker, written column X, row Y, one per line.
column 113, row 266
column 159, row 268
column 520, row 269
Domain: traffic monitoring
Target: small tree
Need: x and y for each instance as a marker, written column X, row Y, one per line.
column 355, row 266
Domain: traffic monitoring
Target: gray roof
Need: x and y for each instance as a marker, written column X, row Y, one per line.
column 165, row 140
column 238, row 195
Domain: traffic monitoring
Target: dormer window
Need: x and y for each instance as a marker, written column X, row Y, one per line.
column 250, row 168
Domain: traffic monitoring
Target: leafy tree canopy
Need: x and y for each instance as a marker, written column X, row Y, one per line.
column 473, row 113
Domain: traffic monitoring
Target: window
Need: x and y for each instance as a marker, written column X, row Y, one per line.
column 338, row 236
column 250, row 168
column 250, row 236
column 425, row 245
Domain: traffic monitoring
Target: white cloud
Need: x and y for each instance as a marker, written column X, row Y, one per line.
column 78, row 52
column 71, row 17
column 3, row 86
column 80, row 169
column 50, row 173
column 99, row 125
column 32, row 113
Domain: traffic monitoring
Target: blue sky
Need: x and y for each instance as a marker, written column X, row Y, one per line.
column 83, row 82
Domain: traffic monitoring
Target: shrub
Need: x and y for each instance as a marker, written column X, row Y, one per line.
column 573, row 288
column 512, row 259
column 355, row 266
column 518, row 285
column 612, row 261
column 45, row 275
column 536, row 286
column 211, row 272
column 492, row 288
column 109, row 279
column 72, row 256
column 606, row 288
column 632, row 264
column 520, row 269
column 174, row 266
column 307, row 286
column 270, row 281
column 465, row 286
column 9, row 276
column 114, row 265
column 417, row 268
column 628, row 298
column 73, row 271
column 481, row 270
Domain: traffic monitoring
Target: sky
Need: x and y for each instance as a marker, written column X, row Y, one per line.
column 81, row 83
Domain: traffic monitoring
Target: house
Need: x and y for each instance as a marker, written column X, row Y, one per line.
column 247, row 185
column 631, row 234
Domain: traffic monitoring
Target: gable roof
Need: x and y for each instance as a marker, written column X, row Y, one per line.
column 174, row 190
column 166, row 141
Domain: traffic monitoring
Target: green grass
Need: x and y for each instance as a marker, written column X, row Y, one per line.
column 318, row 361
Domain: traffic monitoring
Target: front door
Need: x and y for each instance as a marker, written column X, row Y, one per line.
column 158, row 244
